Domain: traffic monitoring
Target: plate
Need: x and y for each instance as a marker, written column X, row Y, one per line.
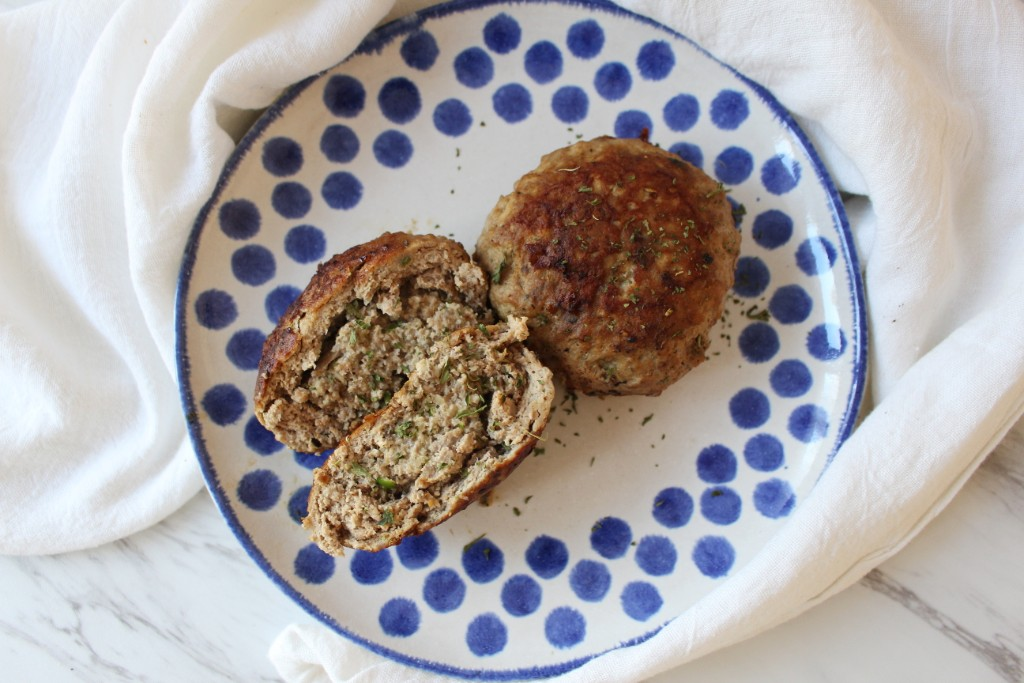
column 632, row 508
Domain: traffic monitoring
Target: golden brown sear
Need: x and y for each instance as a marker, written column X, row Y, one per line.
column 620, row 255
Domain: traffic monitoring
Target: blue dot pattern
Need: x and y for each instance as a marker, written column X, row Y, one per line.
column 752, row 277
column 311, row 461
column 808, row 423
column 632, row 124
column 282, row 156
column 244, row 348
column 278, row 300
column 714, row 556
column 543, row 62
column 339, row 143
column 721, row 505
column 444, row 590
column 733, row 165
column 521, row 595
column 291, row 199
column 399, row 100
column 392, row 148
column 791, row 378
column 512, row 102
column 610, row 537
column 483, row 561
column 474, row 68
column 531, row 590
column 681, row 112
column 502, row 34
column 590, row 580
column 259, row 439
column 716, row 464
column 399, row 617
column 780, row 174
column 729, row 109
column 655, row 60
column 585, row 39
column 342, row 190
column 419, row 50
column 371, row 568
column 565, row 627
column 417, row 552
column 790, row 305
column 656, row 555
column 826, row 342
column 239, row 219
column 298, row 504
column 673, row 507
column 759, row 342
column 215, row 309
column 344, row 96
column 314, row 565
column 689, row 152
column 453, row 117
column 749, row 408
column 486, row 635
column 774, row 498
column 641, row 600
column 570, row 104
column 305, row 244
column 547, row 556
column 816, row 255
column 253, row 265
column 224, row 403
column 613, row 81
column 259, row 490
column 764, row 452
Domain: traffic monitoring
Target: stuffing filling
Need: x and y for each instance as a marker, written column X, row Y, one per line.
column 457, row 417
column 369, row 354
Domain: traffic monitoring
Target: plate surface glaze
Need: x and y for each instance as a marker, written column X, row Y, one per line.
column 632, row 508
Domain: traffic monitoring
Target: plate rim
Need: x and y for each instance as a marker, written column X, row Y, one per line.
column 375, row 41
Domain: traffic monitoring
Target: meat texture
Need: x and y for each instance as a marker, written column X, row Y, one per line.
column 467, row 416
column 620, row 254
column 349, row 341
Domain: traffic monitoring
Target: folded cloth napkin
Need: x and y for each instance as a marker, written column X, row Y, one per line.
column 119, row 115
column 118, row 118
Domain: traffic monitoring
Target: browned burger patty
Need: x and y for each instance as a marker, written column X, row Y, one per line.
column 620, row 254
column 349, row 341
column 467, row 416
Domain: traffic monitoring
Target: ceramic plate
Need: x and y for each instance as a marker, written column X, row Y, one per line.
column 632, row 508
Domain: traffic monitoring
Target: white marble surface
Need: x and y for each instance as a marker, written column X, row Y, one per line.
column 183, row 602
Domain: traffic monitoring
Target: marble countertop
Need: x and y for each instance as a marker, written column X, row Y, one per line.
column 183, row 601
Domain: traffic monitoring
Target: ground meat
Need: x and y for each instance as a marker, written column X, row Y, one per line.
column 348, row 342
column 466, row 417
column 620, row 254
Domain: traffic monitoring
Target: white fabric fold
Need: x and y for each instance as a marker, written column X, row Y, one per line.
column 119, row 115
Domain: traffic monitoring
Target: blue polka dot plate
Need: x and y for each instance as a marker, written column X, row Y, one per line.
column 633, row 508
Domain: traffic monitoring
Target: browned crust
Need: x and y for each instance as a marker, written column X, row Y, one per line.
column 358, row 272
column 620, row 254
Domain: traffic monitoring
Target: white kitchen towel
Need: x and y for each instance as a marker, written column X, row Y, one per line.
column 916, row 110
column 117, row 117
column 119, row 114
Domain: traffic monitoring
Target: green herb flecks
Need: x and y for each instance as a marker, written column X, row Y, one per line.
column 466, row 548
column 406, row 429
column 496, row 276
